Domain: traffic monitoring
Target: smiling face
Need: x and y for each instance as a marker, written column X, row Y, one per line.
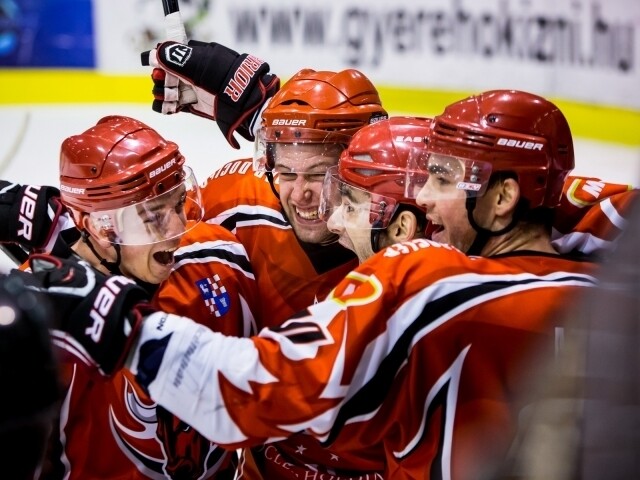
column 300, row 170
column 351, row 221
column 445, row 203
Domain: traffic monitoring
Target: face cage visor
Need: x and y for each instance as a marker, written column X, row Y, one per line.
column 434, row 176
column 354, row 206
column 292, row 143
column 164, row 217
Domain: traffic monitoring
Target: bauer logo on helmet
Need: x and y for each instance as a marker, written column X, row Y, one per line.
column 162, row 168
column 510, row 142
column 293, row 122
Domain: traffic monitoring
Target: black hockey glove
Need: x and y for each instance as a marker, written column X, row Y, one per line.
column 230, row 87
column 101, row 313
column 28, row 367
column 29, row 214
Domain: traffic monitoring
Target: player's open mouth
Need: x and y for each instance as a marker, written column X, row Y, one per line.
column 433, row 228
column 164, row 257
column 307, row 214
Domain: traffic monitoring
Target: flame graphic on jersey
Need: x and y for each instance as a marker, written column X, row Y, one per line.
column 160, row 445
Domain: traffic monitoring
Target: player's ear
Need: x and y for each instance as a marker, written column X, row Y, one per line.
column 403, row 227
column 98, row 235
column 507, row 196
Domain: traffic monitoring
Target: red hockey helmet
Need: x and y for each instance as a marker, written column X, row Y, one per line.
column 375, row 164
column 507, row 131
column 127, row 178
column 317, row 107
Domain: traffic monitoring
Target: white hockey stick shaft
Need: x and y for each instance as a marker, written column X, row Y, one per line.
column 174, row 30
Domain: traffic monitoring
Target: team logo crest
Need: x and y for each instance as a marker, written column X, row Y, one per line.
column 215, row 295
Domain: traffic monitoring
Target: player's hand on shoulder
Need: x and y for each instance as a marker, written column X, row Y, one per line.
column 230, row 87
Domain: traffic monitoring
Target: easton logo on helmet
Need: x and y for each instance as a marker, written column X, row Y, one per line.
column 408, row 139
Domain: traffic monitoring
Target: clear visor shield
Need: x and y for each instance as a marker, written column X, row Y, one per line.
column 277, row 143
column 353, row 206
column 164, row 217
column 432, row 175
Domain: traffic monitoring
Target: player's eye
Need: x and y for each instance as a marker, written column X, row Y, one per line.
column 288, row 176
column 179, row 208
column 315, row 177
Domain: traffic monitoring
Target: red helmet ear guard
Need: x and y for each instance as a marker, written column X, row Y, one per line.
column 118, row 162
column 377, row 158
column 515, row 132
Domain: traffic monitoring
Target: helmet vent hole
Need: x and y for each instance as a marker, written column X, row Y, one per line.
column 160, row 187
column 295, row 102
column 467, row 136
column 368, row 172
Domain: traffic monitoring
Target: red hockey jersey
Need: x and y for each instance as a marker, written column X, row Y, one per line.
column 290, row 276
column 109, row 429
column 421, row 349
column 592, row 215
column 241, row 200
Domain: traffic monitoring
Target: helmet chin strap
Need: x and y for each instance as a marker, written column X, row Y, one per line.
column 269, row 175
column 113, row 267
column 375, row 240
column 482, row 234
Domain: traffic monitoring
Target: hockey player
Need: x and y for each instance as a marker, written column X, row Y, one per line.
column 271, row 202
column 422, row 348
column 363, row 197
column 300, row 130
column 228, row 119
column 272, row 206
column 273, row 209
column 138, row 207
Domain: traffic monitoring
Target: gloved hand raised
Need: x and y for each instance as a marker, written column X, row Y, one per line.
column 29, row 214
column 99, row 313
column 230, row 87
